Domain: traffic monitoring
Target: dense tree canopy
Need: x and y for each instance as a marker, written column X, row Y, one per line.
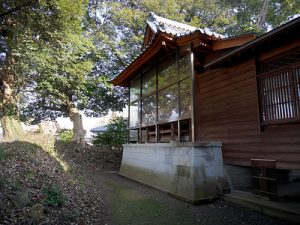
column 247, row 13
column 21, row 24
column 50, row 58
column 118, row 26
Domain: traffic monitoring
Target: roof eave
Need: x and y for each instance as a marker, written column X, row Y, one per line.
column 143, row 58
column 255, row 42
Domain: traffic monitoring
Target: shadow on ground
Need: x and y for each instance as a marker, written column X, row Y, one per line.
column 38, row 185
column 132, row 203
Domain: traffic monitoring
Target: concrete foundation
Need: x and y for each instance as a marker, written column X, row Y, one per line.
column 191, row 171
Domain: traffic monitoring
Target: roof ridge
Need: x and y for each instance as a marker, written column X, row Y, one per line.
column 155, row 18
column 158, row 23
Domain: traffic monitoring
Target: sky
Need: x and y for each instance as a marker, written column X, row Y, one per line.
column 90, row 122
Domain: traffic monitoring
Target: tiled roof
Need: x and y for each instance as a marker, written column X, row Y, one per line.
column 157, row 23
column 178, row 30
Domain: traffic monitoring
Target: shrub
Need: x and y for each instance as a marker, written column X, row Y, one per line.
column 54, row 196
column 114, row 136
column 66, row 135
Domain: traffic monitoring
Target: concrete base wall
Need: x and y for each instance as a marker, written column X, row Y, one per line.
column 192, row 171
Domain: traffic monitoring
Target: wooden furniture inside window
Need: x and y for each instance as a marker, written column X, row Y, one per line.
column 168, row 132
column 151, row 134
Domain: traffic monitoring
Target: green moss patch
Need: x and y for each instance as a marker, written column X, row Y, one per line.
column 130, row 206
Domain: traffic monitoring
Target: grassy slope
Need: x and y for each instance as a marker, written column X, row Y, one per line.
column 32, row 165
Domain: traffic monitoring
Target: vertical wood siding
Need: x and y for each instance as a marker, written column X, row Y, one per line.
column 227, row 111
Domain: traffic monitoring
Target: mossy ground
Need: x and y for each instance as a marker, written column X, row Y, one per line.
column 132, row 203
column 133, row 207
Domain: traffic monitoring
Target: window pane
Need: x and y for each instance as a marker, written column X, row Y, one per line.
column 168, row 104
column 185, row 98
column 185, row 132
column 167, row 71
column 185, row 66
column 134, row 114
column 149, row 110
column 135, row 89
column 133, row 136
column 149, row 81
column 143, row 135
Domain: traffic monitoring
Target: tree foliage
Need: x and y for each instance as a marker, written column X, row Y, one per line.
column 246, row 14
column 118, row 26
column 21, row 24
column 50, row 55
column 114, row 136
column 60, row 54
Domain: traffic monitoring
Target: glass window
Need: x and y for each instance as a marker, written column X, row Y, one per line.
column 168, row 104
column 143, row 135
column 185, row 66
column 149, row 81
column 149, row 110
column 134, row 115
column 161, row 94
column 185, row 98
column 167, row 71
column 135, row 89
column 133, row 136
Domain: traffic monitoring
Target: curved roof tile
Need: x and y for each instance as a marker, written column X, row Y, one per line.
column 157, row 23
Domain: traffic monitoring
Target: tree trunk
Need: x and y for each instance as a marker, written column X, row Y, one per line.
column 9, row 121
column 12, row 128
column 9, row 81
column 262, row 15
column 76, row 118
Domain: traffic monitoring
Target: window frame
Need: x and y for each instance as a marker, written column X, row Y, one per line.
column 177, row 82
column 284, row 111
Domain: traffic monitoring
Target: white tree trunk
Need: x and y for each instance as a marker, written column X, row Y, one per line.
column 262, row 15
column 78, row 131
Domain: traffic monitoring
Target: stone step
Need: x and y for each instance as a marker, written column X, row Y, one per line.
column 289, row 211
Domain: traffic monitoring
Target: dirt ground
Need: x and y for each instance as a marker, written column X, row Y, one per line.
column 131, row 203
column 94, row 193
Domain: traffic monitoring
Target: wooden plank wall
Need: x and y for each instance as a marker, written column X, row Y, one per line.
column 226, row 110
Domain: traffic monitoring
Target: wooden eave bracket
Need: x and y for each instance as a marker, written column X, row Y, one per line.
column 148, row 37
column 232, row 42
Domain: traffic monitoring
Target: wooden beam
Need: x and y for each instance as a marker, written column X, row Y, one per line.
column 232, row 42
column 148, row 36
column 279, row 50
